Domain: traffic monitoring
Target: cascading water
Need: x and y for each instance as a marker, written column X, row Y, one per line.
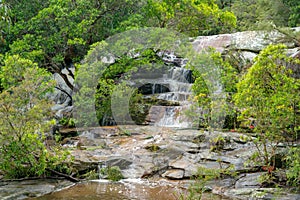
column 101, row 166
column 173, row 86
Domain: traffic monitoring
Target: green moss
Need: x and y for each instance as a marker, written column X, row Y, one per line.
column 91, row 175
column 112, row 173
column 152, row 147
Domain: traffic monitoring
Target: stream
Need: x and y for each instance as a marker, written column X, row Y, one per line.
column 124, row 190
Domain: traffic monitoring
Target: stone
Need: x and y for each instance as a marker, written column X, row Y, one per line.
column 174, row 174
column 184, row 163
column 30, row 188
column 122, row 163
column 153, row 88
column 257, row 193
column 249, row 180
column 62, row 95
column 174, row 159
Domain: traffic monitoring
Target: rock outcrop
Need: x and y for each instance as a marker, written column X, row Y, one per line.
column 248, row 42
column 62, row 95
column 157, row 152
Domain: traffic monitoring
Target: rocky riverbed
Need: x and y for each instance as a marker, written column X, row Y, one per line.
column 158, row 153
column 176, row 154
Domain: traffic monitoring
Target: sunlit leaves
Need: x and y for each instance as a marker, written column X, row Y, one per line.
column 190, row 17
column 24, row 117
column 269, row 95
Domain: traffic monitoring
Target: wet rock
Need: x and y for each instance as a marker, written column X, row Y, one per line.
column 152, row 88
column 179, row 156
column 199, row 138
column 186, row 146
column 248, row 180
column 257, row 193
column 119, row 162
column 213, row 164
column 174, row 174
column 30, row 188
column 62, row 95
column 184, row 163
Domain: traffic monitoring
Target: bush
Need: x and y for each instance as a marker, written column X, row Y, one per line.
column 112, row 173
column 293, row 170
column 269, row 95
column 25, row 115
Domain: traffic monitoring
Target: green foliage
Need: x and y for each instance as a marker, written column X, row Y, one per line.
column 293, row 169
column 103, row 100
column 152, row 147
column 5, row 22
column 54, row 33
column 270, row 95
column 112, row 87
column 259, row 14
column 14, row 69
column 67, row 122
column 21, row 158
column 25, row 115
column 229, row 70
column 23, row 121
column 267, row 179
column 60, row 160
column 202, row 177
column 91, row 175
column 218, row 143
column 190, row 17
column 112, row 173
column 217, row 109
column 294, row 8
column 125, row 132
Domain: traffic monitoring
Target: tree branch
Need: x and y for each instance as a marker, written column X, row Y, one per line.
column 70, row 178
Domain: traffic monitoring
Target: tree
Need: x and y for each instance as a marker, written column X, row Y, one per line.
column 56, row 34
column 294, row 17
column 5, row 21
column 191, row 17
column 269, row 94
column 259, row 14
column 24, row 118
column 218, row 111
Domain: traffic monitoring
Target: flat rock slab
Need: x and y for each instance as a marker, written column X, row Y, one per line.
column 11, row 190
column 257, row 193
column 249, row 180
column 174, row 174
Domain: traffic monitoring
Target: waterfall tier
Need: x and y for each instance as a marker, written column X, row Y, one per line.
column 172, row 84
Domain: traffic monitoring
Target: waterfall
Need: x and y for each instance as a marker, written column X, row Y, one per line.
column 173, row 86
column 101, row 166
column 173, row 116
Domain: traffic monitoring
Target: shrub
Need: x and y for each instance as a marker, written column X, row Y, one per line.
column 269, row 94
column 25, row 115
column 112, row 173
column 293, row 170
